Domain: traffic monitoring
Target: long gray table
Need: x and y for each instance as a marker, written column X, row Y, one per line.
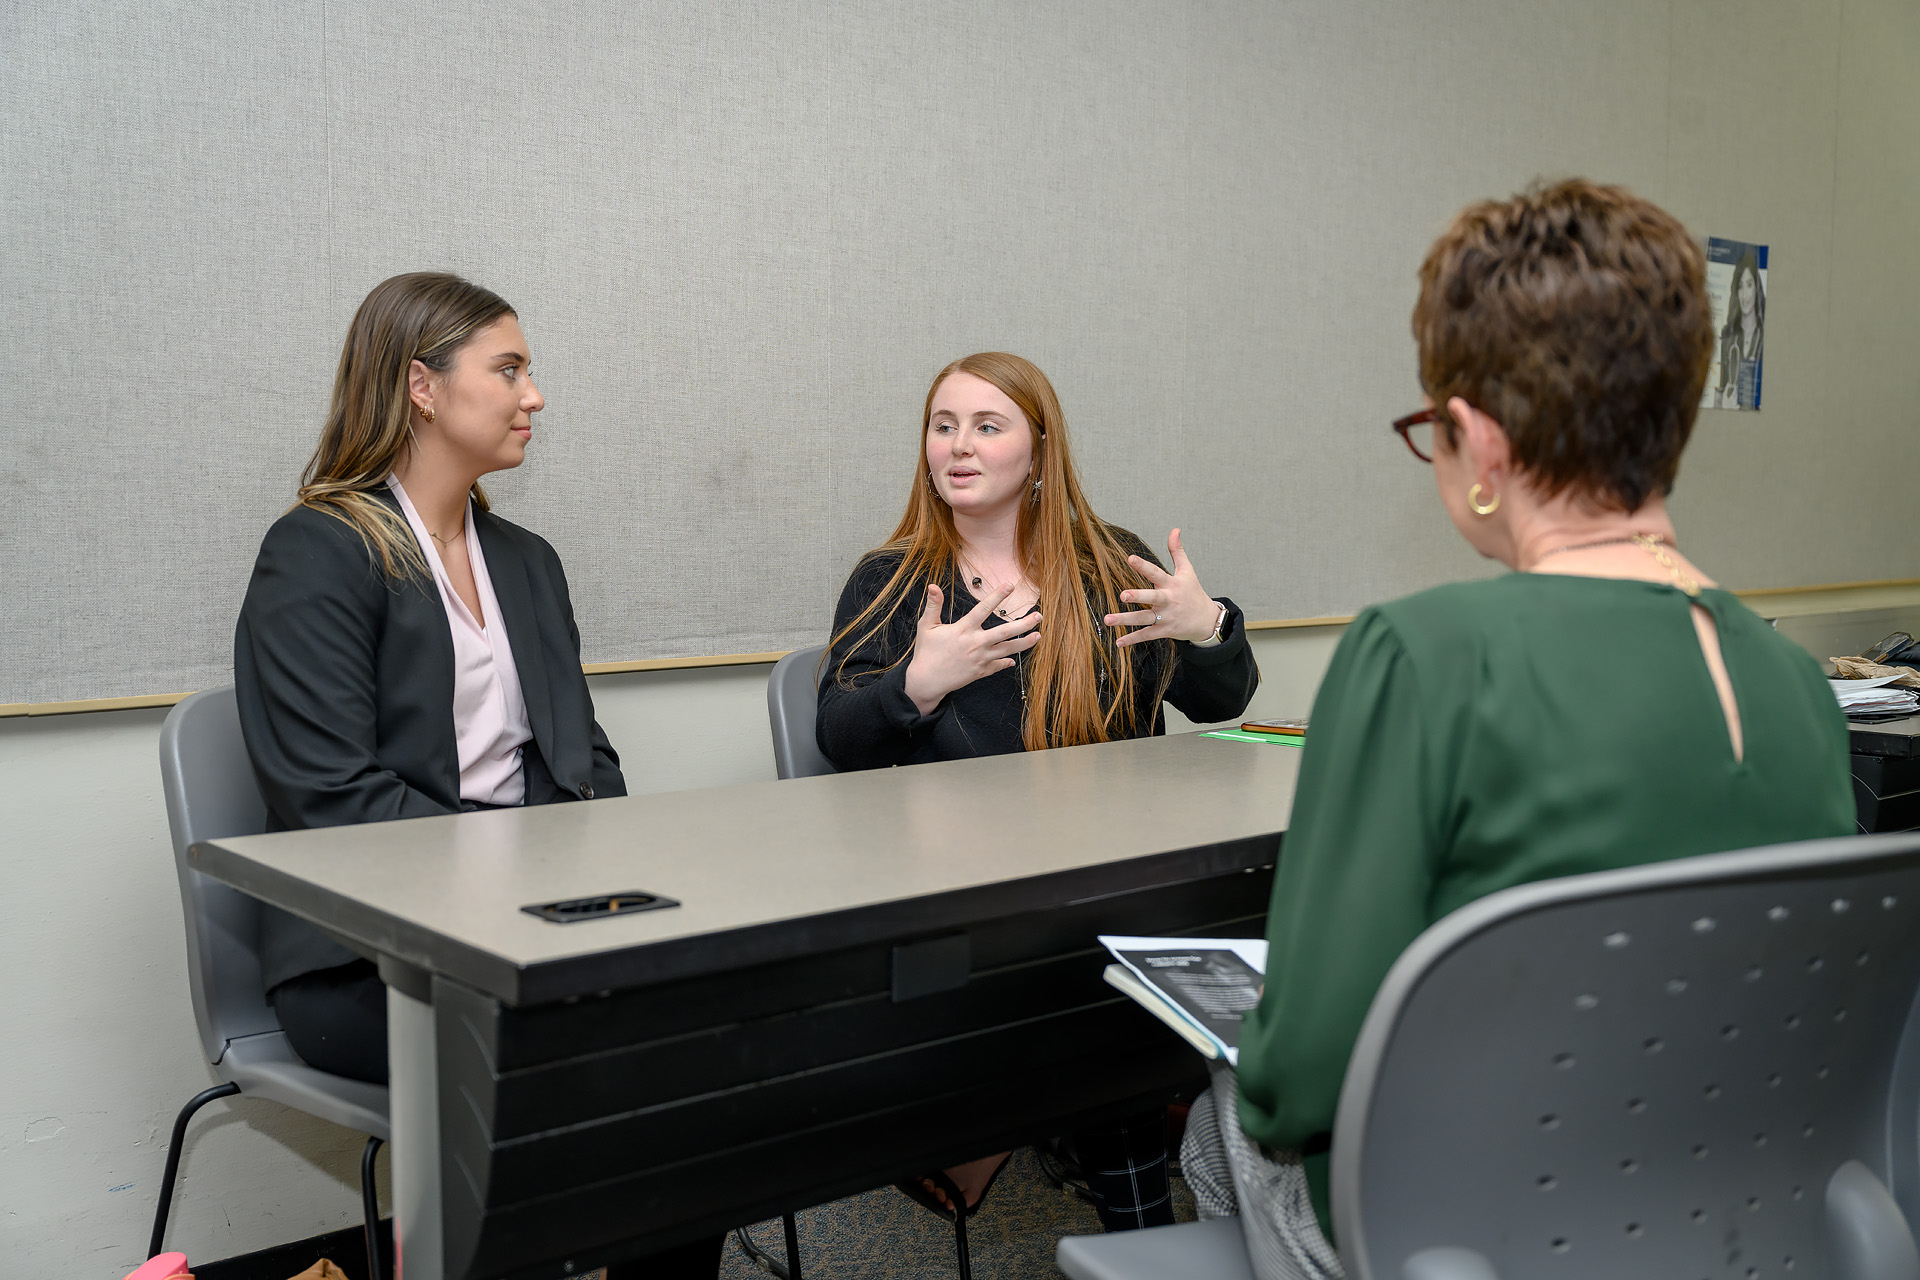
column 868, row 975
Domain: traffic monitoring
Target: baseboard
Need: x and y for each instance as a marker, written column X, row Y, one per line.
column 347, row 1249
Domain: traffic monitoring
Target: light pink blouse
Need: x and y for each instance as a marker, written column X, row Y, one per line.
column 489, row 714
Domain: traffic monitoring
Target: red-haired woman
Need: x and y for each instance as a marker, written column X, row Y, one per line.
column 1004, row 615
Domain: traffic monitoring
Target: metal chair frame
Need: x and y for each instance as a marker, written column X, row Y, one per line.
column 210, row 791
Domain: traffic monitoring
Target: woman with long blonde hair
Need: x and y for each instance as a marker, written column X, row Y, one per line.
column 1004, row 615
column 403, row 651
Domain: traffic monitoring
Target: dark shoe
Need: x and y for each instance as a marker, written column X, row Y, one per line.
column 1058, row 1166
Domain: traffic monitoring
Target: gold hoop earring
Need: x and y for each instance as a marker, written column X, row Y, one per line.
column 427, row 414
column 1473, row 502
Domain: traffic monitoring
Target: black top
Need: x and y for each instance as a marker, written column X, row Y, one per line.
column 874, row 723
column 345, row 687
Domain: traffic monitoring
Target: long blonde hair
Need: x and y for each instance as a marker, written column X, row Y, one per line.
column 1067, row 551
column 422, row 315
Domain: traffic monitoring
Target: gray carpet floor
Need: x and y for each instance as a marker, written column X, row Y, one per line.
column 882, row 1235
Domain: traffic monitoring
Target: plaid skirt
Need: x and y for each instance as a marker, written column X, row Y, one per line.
column 1229, row 1173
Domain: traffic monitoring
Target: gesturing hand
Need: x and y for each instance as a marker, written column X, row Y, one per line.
column 952, row 655
column 1176, row 607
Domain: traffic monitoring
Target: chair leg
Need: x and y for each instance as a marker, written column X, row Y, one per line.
column 960, row 1246
column 370, row 1204
column 194, row 1103
column 793, row 1245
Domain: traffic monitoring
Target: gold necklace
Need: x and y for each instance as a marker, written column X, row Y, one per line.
column 1656, row 544
column 1584, row 546
column 1652, row 542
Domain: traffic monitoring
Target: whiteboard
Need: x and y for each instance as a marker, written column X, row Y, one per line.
column 743, row 237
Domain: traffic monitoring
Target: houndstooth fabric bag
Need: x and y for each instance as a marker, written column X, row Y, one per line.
column 1228, row 1173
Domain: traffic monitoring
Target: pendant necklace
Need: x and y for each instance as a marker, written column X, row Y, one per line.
column 976, row 581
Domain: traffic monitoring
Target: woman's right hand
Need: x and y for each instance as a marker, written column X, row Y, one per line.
column 952, row 655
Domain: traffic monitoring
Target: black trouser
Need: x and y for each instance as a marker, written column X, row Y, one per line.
column 1125, row 1166
column 336, row 1020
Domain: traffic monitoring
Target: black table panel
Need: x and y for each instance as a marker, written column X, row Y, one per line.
column 632, row 1120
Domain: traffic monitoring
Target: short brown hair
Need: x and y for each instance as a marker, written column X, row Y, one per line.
column 1576, row 315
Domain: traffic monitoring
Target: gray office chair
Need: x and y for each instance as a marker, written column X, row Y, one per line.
column 210, row 792
column 1705, row 1067
column 791, row 702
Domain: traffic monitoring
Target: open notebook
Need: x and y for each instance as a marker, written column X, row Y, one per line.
column 1201, row 987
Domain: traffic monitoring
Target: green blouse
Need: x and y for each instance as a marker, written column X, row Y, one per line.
column 1487, row 734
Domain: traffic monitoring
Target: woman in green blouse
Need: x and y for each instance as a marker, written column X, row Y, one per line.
column 1606, row 704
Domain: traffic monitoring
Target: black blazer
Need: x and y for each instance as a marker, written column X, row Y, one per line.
column 345, row 690
column 871, row 723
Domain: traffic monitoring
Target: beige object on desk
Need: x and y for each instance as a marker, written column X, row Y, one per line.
column 1861, row 669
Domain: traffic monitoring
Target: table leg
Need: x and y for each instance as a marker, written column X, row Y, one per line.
column 415, row 1102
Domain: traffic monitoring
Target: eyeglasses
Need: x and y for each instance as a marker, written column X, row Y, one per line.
column 1417, row 430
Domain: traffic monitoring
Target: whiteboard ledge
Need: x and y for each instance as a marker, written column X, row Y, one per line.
column 674, row 664
column 1281, row 624
column 1769, row 601
column 89, row 704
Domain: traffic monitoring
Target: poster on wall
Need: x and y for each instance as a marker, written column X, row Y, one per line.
column 1737, row 285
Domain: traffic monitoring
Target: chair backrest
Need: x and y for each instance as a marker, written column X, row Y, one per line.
column 791, row 703
column 1702, row 1067
column 208, row 782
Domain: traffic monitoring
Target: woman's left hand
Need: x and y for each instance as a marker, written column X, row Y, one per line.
column 1175, row 607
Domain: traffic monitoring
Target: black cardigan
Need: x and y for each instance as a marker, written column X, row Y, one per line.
column 874, row 723
column 345, row 688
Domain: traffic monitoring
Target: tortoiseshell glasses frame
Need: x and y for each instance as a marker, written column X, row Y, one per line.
column 1403, row 427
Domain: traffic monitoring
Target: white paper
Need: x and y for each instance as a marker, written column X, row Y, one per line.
column 1252, row 950
column 1872, row 694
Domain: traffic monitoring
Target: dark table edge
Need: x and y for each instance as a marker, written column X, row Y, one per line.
column 646, row 964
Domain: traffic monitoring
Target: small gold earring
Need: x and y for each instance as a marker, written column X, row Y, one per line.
column 1473, row 502
column 427, row 414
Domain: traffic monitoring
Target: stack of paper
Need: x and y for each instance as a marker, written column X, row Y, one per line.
column 1875, row 695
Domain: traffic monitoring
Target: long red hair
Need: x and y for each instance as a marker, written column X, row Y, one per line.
column 1080, row 686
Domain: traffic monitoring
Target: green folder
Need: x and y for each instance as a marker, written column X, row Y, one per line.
column 1241, row 735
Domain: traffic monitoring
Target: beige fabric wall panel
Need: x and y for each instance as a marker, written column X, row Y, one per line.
column 163, row 201
column 1755, row 161
column 648, row 185
column 1874, row 383
column 1337, row 142
column 1010, row 176
column 742, row 238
